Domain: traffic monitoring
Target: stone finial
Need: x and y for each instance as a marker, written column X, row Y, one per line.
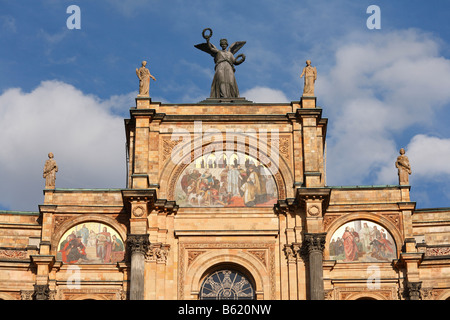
column 50, row 169
column 144, row 79
column 310, row 74
column 404, row 168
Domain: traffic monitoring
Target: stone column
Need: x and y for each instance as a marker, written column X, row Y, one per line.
column 138, row 244
column 314, row 244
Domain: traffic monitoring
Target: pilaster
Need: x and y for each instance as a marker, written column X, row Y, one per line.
column 43, row 264
column 410, row 260
column 407, row 210
column 150, row 220
column 47, row 211
column 313, row 132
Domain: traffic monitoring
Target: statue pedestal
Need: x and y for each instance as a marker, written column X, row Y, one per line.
column 237, row 100
column 308, row 102
column 143, row 102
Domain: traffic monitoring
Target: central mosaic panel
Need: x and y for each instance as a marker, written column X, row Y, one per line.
column 236, row 180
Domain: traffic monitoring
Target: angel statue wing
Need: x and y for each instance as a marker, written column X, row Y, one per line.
column 236, row 46
column 205, row 48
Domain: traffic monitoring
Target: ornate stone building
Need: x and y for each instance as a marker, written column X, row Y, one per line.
column 226, row 199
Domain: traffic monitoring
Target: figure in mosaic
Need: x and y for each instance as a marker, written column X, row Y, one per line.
column 404, row 168
column 50, row 169
column 310, row 74
column 224, row 83
column 144, row 76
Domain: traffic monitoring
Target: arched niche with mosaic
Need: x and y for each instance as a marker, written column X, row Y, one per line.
column 91, row 243
column 229, row 180
column 362, row 241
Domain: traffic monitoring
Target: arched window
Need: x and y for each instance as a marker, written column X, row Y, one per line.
column 227, row 285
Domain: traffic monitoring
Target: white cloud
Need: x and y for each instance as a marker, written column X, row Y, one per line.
column 429, row 156
column 378, row 88
column 88, row 142
column 264, row 94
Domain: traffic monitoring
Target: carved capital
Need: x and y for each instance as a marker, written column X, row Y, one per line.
column 293, row 252
column 413, row 290
column 157, row 252
column 290, row 254
column 138, row 243
column 26, row 294
column 314, row 242
column 41, row 292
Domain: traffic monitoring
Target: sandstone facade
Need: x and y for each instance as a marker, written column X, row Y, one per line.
column 176, row 244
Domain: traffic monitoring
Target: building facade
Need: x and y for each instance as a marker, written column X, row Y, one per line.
column 226, row 199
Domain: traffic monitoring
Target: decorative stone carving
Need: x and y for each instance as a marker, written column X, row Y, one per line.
column 41, row 292
column 395, row 218
column 224, row 83
column 404, row 168
column 192, row 255
column 413, row 290
column 328, row 220
column 168, row 145
column 138, row 243
column 293, row 251
column 50, row 169
column 260, row 254
column 120, row 295
column 314, row 210
column 13, row 254
column 138, row 211
column 144, row 79
column 157, row 252
column 310, row 74
column 328, row 294
column 428, row 294
column 59, row 220
column 437, row 251
column 314, row 242
column 26, row 294
column 290, row 254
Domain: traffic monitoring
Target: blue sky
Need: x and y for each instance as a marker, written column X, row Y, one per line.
column 68, row 91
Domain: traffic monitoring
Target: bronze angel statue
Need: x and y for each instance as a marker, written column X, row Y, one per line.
column 224, row 83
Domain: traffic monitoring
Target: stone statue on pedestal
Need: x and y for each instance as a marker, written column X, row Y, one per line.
column 224, row 83
column 404, row 168
column 50, row 169
column 310, row 74
column 144, row 79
